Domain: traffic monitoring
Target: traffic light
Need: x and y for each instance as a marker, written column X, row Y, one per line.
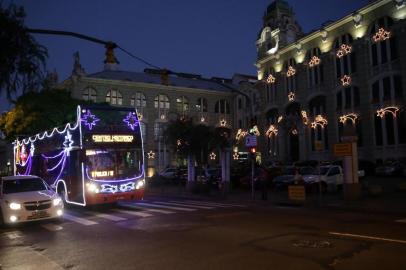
column 253, row 150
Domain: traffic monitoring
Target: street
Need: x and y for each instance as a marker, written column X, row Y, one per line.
column 179, row 233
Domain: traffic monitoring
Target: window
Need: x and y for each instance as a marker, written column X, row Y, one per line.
column 290, row 78
column 90, row 94
column 317, row 106
column 315, row 69
column 114, row 97
column 201, row 105
column 182, row 104
column 161, row 102
column 138, row 100
column 383, row 45
column 345, row 56
column 222, row 107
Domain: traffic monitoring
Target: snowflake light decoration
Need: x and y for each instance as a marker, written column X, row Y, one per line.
column 391, row 109
column 344, row 50
column 381, row 35
column 131, row 120
column 272, row 131
column 314, row 61
column 319, row 121
column 212, row 156
column 89, row 119
column 67, row 144
column 270, row 79
column 223, row 122
column 151, row 154
column 351, row 116
column 291, row 96
column 291, row 71
column 346, row 80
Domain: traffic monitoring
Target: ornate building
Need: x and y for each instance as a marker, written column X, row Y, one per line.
column 348, row 75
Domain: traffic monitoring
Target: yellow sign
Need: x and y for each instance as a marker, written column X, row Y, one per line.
column 112, row 138
column 342, row 149
column 318, row 145
column 297, row 193
column 102, row 173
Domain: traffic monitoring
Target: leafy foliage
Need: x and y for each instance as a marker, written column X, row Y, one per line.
column 36, row 112
column 22, row 59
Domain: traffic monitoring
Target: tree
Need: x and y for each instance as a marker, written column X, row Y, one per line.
column 22, row 59
column 35, row 112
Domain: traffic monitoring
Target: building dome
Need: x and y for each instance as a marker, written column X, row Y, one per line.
column 278, row 5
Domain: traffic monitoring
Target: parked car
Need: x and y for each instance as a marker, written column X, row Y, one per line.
column 285, row 179
column 363, row 167
column 390, row 168
column 27, row 198
column 168, row 173
column 331, row 178
column 213, row 175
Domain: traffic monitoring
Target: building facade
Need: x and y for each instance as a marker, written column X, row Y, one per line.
column 346, row 79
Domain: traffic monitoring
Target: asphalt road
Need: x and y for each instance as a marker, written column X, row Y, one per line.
column 173, row 233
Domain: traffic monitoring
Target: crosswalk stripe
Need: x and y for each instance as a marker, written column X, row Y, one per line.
column 156, row 205
column 187, row 205
column 52, row 227
column 401, row 220
column 80, row 220
column 107, row 216
column 133, row 213
column 207, row 204
column 135, row 206
column 13, row 235
column 216, row 204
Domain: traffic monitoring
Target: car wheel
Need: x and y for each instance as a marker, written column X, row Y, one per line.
column 2, row 224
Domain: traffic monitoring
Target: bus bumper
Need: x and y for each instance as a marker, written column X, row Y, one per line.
column 101, row 198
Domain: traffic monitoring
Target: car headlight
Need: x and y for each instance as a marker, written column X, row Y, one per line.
column 57, row 201
column 92, row 187
column 140, row 184
column 15, row 206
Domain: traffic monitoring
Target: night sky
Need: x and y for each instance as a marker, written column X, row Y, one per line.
column 208, row 37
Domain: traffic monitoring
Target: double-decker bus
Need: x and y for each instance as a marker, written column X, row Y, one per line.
column 97, row 159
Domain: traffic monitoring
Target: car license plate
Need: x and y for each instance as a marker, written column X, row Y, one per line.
column 39, row 214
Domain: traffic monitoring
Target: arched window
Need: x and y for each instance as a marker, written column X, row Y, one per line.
column 161, row 102
column 383, row 43
column 138, row 100
column 89, row 94
column 290, row 78
column 390, row 125
column 182, row 105
column 270, row 79
column 201, row 105
column 114, row 97
column 317, row 107
column 222, row 107
column 345, row 56
column 315, row 74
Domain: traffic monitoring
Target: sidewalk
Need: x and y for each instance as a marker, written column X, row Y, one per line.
column 388, row 203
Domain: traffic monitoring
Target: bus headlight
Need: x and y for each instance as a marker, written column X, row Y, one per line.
column 57, row 201
column 92, row 187
column 15, row 206
column 140, row 184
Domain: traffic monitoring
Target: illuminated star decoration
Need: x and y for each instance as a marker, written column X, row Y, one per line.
column 212, row 156
column 351, row 116
column 391, row 109
column 346, row 80
column 280, row 118
column 291, row 96
column 140, row 116
column 67, row 144
column 236, row 156
column 271, row 79
column 151, row 154
column 255, row 130
column 223, row 122
column 272, row 131
column 89, row 119
column 294, row 131
column 240, row 134
column 304, row 117
column 202, row 119
column 314, row 61
column 344, row 50
column 131, row 120
column 32, row 149
column 381, row 35
column 291, row 71
column 319, row 121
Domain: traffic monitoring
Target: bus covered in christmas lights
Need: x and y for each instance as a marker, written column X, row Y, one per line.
column 97, row 159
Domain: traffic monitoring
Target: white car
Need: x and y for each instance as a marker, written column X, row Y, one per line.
column 27, row 198
column 331, row 177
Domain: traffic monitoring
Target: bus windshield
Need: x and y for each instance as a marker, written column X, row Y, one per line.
column 113, row 164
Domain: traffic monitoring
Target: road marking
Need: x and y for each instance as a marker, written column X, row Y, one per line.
column 369, row 237
column 401, row 220
column 167, row 207
column 52, row 227
column 135, row 206
column 133, row 213
column 13, row 235
column 187, row 205
column 107, row 216
column 80, row 220
column 216, row 204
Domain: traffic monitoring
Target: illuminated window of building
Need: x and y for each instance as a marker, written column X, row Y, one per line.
column 182, row 105
column 138, row 100
column 201, row 105
column 161, row 102
column 90, row 94
column 222, row 107
column 383, row 50
column 114, row 97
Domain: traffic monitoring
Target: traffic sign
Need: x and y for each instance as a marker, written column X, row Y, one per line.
column 297, row 193
column 250, row 140
column 343, row 149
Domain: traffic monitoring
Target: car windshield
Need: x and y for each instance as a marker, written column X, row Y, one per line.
column 307, row 171
column 324, row 170
column 23, row 185
column 289, row 171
